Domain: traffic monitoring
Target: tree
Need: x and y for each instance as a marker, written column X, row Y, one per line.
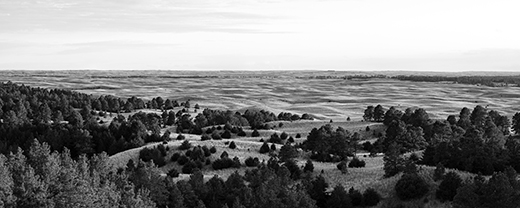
column 75, row 118
column 411, row 186
column 226, row 134
column 371, row 197
column 255, row 133
column 309, row 166
column 232, row 145
column 379, row 113
column 287, row 152
column 342, row 166
column 369, row 113
column 438, row 173
column 516, row 123
column 448, row 187
column 339, row 198
column 393, row 161
column 264, row 148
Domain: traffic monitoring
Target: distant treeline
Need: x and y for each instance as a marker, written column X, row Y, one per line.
column 492, row 81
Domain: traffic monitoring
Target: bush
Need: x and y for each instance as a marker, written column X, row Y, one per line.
column 298, row 135
column 206, row 151
column 411, row 186
column 226, row 134
column 173, row 173
column 189, row 167
column 273, row 147
column 356, row 163
column 284, row 136
column 280, row 125
column 252, row 162
column 367, row 146
column 210, row 130
column 208, row 161
column 232, row 145
column 264, row 148
column 222, row 163
column 182, row 160
column 213, row 149
column 371, row 197
column 367, row 128
column 448, row 187
column 236, row 162
column 309, row 166
column 205, row 137
column 342, row 166
column 275, row 139
column 255, row 133
column 175, row 157
column 242, row 133
column 185, row 145
column 438, row 173
column 216, row 136
column 224, row 155
column 290, row 140
column 355, row 197
column 181, row 137
column 153, row 154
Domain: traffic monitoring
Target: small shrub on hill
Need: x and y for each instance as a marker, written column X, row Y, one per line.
column 173, row 173
column 252, row 162
column 185, row 145
column 264, row 148
column 309, row 166
column 371, row 197
column 181, row 137
column 255, row 133
column 241, row 133
column 298, row 135
column 205, row 137
column 216, row 136
column 213, row 149
column 356, row 163
column 182, row 160
column 175, row 157
column 232, row 145
column 226, row 134
column 448, row 187
column 411, row 186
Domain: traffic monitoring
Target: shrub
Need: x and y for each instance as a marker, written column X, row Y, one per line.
column 241, row 133
column 182, row 160
column 205, row 137
column 367, row 146
column 275, row 139
column 252, row 162
column 448, row 187
column 189, row 167
column 208, row 161
column 222, row 163
column 216, row 136
column 255, row 133
column 232, row 145
column 414, row 157
column 342, row 166
column 290, row 140
column 273, row 147
column 284, row 136
column 175, row 157
column 213, row 149
column 181, row 137
column 280, row 124
column 438, row 173
column 264, row 148
column 185, row 145
column 371, row 197
column 298, row 135
column 153, row 154
column 219, row 128
column 411, row 186
column 206, row 151
column 356, row 163
column 210, row 130
column 224, row 155
column 367, row 128
column 309, row 166
column 173, row 173
column 236, row 162
column 356, row 197
column 226, row 134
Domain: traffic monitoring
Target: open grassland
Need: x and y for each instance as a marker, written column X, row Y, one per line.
column 334, row 99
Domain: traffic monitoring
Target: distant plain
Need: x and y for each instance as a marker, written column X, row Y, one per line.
column 290, row 91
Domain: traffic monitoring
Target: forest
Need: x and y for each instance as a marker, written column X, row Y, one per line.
column 56, row 147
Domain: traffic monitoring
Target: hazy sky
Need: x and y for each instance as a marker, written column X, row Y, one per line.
column 440, row 35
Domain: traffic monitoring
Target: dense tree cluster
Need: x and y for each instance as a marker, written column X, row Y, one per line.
column 477, row 142
column 327, row 144
column 492, row 81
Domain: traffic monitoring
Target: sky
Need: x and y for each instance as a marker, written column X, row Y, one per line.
column 418, row 35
